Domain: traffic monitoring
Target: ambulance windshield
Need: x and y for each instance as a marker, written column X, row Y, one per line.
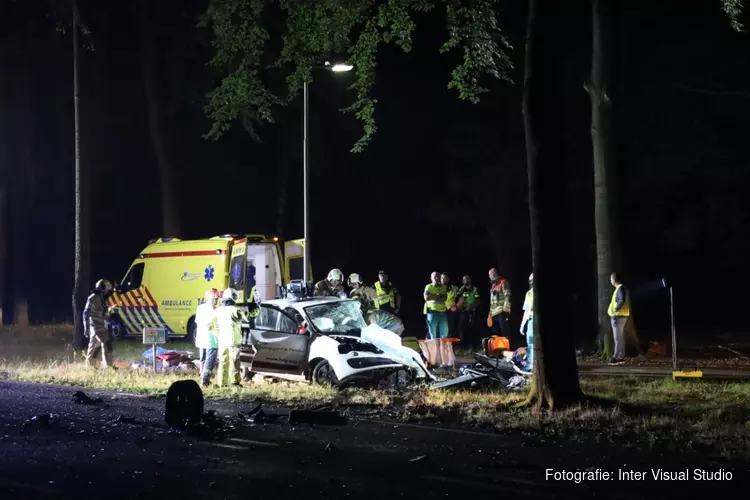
column 336, row 317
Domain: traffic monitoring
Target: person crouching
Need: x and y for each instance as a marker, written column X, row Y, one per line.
column 227, row 321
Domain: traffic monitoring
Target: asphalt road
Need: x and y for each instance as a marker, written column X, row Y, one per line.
column 85, row 452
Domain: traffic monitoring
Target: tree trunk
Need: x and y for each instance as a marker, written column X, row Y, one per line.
column 555, row 382
column 607, row 258
column 82, row 250
column 170, row 209
column 4, row 171
column 3, row 229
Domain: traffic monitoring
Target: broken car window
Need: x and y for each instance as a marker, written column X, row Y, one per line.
column 336, row 317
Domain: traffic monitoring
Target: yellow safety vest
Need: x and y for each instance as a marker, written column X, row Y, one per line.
column 624, row 310
column 433, row 305
column 385, row 296
column 254, row 299
column 450, row 301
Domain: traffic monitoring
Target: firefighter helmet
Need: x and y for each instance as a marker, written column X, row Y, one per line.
column 335, row 275
column 230, row 294
column 104, row 286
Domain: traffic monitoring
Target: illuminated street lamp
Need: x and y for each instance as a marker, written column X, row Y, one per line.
column 335, row 68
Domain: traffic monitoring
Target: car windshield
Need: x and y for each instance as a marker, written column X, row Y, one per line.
column 337, row 317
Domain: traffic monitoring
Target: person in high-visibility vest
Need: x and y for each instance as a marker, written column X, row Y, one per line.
column 435, row 295
column 363, row 293
column 387, row 297
column 451, row 304
column 527, row 323
column 227, row 321
column 468, row 303
column 619, row 313
column 207, row 340
column 500, row 297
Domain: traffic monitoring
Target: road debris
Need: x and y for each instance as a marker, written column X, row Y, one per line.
column 43, row 419
column 316, row 417
column 125, row 420
column 421, row 458
column 79, row 397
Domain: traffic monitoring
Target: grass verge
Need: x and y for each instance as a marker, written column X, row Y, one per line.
column 705, row 417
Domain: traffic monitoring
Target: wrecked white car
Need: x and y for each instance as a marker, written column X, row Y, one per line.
column 326, row 340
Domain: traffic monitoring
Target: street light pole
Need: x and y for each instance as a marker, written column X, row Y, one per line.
column 336, row 68
column 306, row 188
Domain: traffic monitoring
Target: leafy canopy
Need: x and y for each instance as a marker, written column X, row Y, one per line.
column 245, row 32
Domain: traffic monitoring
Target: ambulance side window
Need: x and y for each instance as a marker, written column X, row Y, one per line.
column 134, row 278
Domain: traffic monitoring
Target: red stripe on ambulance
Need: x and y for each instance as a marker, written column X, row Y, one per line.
column 196, row 253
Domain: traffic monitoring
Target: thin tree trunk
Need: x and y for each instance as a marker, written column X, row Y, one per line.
column 602, row 141
column 81, row 267
column 3, row 230
column 4, row 170
column 555, row 382
column 169, row 202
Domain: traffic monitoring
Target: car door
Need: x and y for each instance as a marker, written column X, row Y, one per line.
column 278, row 345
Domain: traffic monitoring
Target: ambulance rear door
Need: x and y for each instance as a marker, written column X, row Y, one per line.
column 294, row 257
column 237, row 269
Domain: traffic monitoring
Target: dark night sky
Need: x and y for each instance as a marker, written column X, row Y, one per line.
column 681, row 159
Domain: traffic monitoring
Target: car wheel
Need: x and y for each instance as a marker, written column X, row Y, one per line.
column 324, row 374
column 117, row 329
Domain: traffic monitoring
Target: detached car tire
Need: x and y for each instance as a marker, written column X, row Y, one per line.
column 184, row 404
column 324, row 374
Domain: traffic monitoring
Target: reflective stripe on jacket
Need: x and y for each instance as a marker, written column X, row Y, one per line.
column 385, row 295
column 435, row 305
column 500, row 297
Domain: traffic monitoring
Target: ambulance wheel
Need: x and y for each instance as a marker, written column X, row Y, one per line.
column 323, row 374
column 192, row 327
column 117, row 329
column 184, row 404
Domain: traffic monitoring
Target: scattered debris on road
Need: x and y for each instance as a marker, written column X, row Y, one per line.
column 320, row 417
column 421, row 458
column 80, row 397
column 43, row 419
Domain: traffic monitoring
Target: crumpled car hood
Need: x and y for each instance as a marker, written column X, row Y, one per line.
column 388, row 343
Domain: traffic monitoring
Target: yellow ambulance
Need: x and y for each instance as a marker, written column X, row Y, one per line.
column 168, row 279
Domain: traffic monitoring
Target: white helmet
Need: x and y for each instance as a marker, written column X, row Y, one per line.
column 104, row 286
column 230, row 294
column 531, row 277
column 336, row 275
column 355, row 278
